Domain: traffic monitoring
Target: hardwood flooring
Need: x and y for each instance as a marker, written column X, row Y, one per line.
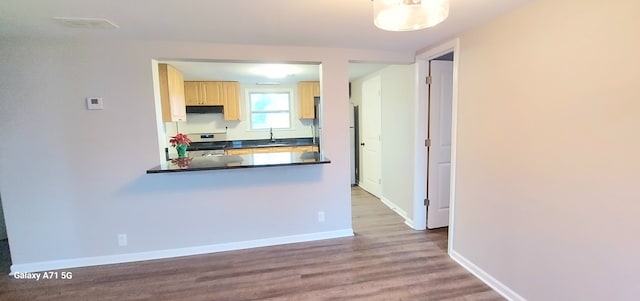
column 384, row 261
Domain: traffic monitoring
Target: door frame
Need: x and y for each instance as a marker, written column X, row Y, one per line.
column 421, row 123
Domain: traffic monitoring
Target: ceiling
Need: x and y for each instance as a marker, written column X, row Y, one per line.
column 258, row 73
column 321, row 23
column 327, row 23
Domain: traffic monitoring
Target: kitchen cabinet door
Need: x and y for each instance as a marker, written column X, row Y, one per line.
column 213, row 95
column 231, row 92
column 172, row 100
column 192, row 93
column 207, row 93
column 272, row 149
column 306, row 93
column 308, row 148
column 316, row 89
column 241, row 151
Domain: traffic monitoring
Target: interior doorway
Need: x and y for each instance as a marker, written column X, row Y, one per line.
column 422, row 61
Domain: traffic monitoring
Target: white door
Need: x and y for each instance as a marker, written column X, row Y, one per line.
column 370, row 143
column 439, row 154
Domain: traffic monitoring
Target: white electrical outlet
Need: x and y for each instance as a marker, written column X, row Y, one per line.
column 321, row 216
column 122, row 240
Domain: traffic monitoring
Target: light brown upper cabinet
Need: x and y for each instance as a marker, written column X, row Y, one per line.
column 231, row 100
column 214, row 93
column 171, row 94
column 203, row 93
column 306, row 93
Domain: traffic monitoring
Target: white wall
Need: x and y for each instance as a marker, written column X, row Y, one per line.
column 241, row 130
column 397, row 136
column 397, row 104
column 78, row 179
column 547, row 159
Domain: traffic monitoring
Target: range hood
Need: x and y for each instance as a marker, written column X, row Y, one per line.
column 204, row 109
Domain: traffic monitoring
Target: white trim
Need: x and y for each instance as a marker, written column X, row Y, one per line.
column 452, row 45
column 407, row 220
column 293, row 104
column 411, row 224
column 485, row 277
column 122, row 258
column 419, row 155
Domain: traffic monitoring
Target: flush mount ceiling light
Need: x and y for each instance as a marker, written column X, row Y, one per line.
column 275, row 71
column 406, row 15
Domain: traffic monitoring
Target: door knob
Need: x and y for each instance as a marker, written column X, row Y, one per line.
column 362, row 143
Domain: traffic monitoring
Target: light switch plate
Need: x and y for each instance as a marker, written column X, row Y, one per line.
column 94, row 103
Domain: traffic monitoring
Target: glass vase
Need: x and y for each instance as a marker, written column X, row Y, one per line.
column 182, row 150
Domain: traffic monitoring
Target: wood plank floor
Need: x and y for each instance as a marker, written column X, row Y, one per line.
column 384, row 261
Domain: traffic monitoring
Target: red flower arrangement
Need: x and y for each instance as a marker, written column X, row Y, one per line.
column 182, row 162
column 180, row 138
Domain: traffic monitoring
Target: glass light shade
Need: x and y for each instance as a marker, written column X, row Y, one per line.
column 405, row 15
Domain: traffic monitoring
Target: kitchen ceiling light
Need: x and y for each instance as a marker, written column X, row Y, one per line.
column 275, row 71
column 406, row 15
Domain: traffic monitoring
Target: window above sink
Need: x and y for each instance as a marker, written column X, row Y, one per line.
column 270, row 110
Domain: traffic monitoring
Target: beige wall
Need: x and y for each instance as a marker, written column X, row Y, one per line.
column 548, row 166
column 398, row 97
column 79, row 178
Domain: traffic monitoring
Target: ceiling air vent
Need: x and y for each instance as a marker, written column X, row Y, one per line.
column 89, row 23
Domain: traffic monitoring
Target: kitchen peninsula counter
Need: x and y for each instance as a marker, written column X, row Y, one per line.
column 239, row 161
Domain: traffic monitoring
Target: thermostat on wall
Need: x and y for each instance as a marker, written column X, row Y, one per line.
column 94, row 103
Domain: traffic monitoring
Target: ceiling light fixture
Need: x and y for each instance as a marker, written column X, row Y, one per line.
column 275, row 71
column 406, row 15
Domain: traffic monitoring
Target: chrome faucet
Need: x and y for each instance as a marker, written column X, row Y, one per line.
column 271, row 134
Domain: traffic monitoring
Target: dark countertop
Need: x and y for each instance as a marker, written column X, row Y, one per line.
column 239, row 161
column 239, row 144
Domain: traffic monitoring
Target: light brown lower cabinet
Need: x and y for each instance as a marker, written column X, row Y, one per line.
column 309, row 148
column 240, row 151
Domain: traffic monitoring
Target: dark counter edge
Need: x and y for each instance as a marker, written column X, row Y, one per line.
column 157, row 169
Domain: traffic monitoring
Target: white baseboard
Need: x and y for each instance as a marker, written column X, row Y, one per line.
column 408, row 221
column 498, row 286
column 162, row 254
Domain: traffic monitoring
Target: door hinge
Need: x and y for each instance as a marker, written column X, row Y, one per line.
column 428, row 80
column 427, row 142
column 426, row 202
